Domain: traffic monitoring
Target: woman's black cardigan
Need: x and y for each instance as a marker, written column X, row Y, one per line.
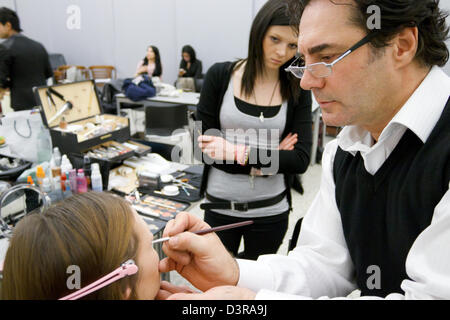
column 298, row 120
column 195, row 71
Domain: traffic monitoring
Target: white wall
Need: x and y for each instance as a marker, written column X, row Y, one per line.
column 217, row 30
column 118, row 32
column 138, row 24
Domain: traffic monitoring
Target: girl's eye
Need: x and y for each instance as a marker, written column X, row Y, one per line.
column 292, row 46
column 274, row 39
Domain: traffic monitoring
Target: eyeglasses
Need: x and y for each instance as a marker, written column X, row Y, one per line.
column 127, row 268
column 322, row 69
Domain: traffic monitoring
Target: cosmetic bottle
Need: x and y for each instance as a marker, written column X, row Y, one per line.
column 67, row 192
column 81, row 182
column 30, row 181
column 96, row 178
column 66, row 165
column 57, row 156
column 73, row 181
column 87, row 169
column 56, row 170
column 40, row 174
column 56, row 194
column 47, row 186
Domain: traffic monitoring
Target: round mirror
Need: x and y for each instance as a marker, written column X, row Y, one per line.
column 18, row 201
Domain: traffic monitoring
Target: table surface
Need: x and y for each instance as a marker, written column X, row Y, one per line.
column 189, row 98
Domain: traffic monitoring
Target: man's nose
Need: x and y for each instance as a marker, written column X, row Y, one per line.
column 309, row 81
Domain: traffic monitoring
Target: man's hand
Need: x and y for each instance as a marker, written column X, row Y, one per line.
column 217, row 293
column 167, row 289
column 201, row 259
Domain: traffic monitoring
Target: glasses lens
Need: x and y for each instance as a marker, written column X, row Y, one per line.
column 297, row 72
column 320, row 70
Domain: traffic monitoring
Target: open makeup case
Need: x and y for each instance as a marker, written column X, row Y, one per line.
column 78, row 127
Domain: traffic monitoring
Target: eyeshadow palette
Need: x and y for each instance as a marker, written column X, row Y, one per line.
column 154, row 207
column 155, row 225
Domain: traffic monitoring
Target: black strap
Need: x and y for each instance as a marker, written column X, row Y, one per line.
column 217, row 203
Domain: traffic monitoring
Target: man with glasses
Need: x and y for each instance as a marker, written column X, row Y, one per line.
column 380, row 222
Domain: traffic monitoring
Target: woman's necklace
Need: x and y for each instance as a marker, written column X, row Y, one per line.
column 261, row 116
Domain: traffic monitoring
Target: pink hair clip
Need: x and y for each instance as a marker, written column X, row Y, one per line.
column 127, row 268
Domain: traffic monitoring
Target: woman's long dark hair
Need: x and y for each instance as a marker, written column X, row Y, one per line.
column 189, row 50
column 158, row 66
column 274, row 12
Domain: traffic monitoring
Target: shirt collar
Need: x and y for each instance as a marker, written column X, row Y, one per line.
column 424, row 108
column 419, row 114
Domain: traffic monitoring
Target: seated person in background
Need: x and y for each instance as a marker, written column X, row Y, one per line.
column 151, row 64
column 190, row 66
column 96, row 232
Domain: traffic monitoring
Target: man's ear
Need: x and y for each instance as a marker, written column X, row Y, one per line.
column 405, row 45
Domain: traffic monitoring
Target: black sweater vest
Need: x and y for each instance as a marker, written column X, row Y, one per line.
column 382, row 215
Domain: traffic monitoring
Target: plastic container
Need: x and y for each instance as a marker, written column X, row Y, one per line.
column 73, row 181
column 47, row 186
column 30, row 181
column 44, row 145
column 67, row 190
column 81, row 182
column 56, row 194
column 87, row 169
column 66, row 165
column 56, row 170
column 40, row 174
column 57, row 156
column 96, row 178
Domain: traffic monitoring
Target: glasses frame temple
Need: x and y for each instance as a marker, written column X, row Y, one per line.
column 126, row 269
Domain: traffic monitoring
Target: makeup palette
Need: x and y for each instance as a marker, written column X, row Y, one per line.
column 154, row 207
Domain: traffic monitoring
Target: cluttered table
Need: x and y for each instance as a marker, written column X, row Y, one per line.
column 157, row 189
column 68, row 146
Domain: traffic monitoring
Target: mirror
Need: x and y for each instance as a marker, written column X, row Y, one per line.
column 18, row 201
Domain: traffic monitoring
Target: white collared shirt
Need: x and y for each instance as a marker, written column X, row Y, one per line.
column 320, row 266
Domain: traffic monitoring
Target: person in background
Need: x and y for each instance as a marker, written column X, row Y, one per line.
column 380, row 222
column 257, row 133
column 24, row 63
column 190, row 66
column 151, row 64
column 95, row 232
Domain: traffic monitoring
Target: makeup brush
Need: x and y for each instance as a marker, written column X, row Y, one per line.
column 215, row 229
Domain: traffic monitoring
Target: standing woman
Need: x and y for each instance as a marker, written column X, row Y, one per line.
column 262, row 136
column 151, row 64
column 190, row 66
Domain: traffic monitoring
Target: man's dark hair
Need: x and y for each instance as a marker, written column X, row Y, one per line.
column 395, row 16
column 8, row 15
